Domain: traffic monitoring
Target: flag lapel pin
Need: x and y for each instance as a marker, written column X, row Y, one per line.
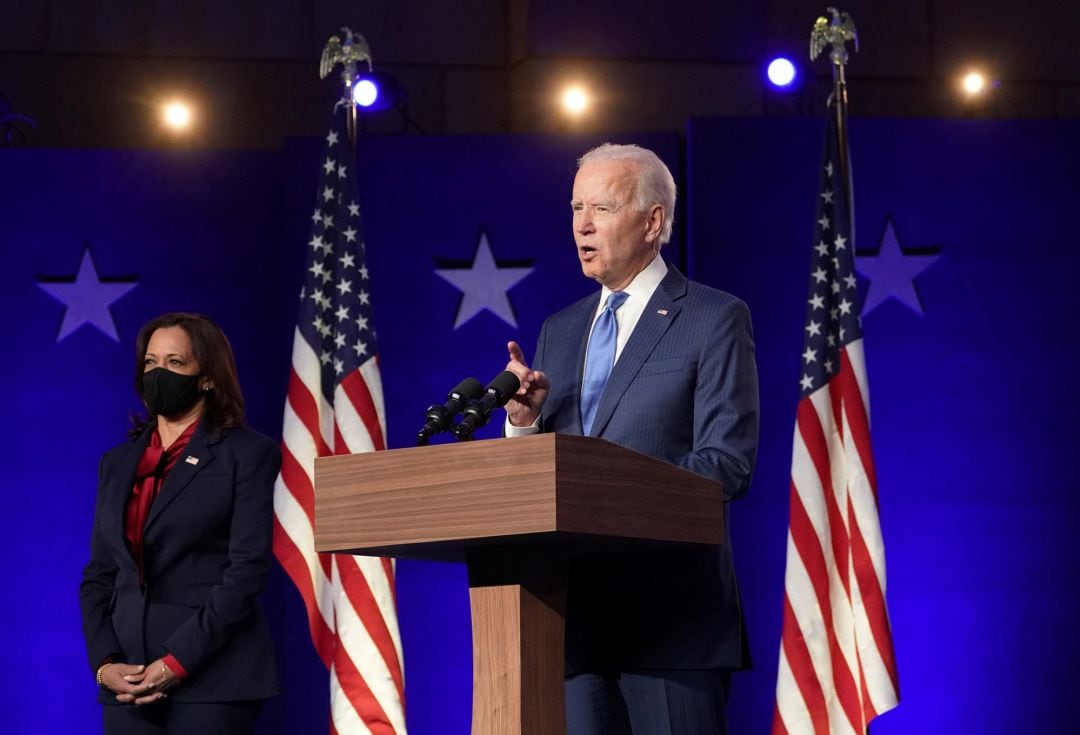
column 191, row 459
column 662, row 312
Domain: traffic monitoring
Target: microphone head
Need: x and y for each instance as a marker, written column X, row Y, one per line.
column 439, row 417
column 504, row 385
column 469, row 389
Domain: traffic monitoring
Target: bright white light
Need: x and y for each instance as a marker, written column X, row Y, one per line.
column 781, row 72
column 575, row 100
column 176, row 115
column 365, row 92
column 974, row 83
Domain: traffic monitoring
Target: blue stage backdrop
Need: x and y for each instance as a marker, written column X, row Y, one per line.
column 971, row 400
column 968, row 345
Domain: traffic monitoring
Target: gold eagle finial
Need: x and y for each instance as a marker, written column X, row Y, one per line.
column 835, row 32
column 354, row 49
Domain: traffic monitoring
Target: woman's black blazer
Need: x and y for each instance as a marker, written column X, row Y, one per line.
column 207, row 554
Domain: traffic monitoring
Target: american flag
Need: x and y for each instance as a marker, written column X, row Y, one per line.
column 837, row 671
column 335, row 406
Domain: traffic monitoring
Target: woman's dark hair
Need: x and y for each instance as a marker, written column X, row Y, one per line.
column 224, row 406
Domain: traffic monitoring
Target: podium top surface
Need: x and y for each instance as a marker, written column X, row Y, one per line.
column 436, row 502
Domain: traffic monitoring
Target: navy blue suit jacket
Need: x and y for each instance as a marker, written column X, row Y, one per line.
column 207, row 554
column 684, row 390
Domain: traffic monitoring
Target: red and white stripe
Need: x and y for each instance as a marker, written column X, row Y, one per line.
column 837, row 671
column 350, row 600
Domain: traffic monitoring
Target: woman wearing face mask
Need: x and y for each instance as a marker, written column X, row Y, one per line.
column 181, row 547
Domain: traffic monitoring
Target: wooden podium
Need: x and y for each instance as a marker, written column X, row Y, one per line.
column 516, row 511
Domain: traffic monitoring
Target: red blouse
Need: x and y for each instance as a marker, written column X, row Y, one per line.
column 154, row 466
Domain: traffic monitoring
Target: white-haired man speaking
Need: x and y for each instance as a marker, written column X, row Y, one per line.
column 664, row 366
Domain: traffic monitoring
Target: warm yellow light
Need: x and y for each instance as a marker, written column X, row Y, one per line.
column 974, row 83
column 575, row 100
column 176, row 115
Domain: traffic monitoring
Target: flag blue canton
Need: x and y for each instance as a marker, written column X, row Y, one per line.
column 335, row 302
column 832, row 312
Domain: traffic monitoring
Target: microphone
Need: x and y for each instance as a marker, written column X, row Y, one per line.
column 439, row 417
column 500, row 390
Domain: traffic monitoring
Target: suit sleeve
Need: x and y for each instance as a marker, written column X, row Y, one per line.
column 726, row 410
column 229, row 605
column 96, row 590
column 538, row 363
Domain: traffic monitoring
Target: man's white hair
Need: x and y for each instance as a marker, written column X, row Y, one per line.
column 654, row 183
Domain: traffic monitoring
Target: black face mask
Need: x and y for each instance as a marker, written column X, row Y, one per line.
column 167, row 393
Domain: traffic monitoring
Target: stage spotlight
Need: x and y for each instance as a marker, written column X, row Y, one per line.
column 974, row 83
column 365, row 93
column 781, row 73
column 375, row 92
column 176, row 115
column 575, row 100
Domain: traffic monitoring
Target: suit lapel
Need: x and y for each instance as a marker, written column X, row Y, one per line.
column 658, row 316
column 118, row 492
column 195, row 457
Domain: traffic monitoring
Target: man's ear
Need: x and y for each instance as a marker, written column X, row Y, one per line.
column 654, row 222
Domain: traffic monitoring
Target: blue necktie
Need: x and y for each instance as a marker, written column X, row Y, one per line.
column 600, row 358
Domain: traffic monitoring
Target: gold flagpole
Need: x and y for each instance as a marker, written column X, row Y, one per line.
column 348, row 53
column 836, row 32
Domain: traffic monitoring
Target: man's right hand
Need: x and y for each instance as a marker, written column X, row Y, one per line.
column 524, row 408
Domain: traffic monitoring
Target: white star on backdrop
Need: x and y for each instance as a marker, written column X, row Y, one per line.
column 484, row 285
column 892, row 273
column 87, row 300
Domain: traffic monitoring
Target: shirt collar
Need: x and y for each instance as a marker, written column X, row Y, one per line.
column 644, row 283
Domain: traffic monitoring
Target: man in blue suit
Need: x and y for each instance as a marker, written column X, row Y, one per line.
column 665, row 366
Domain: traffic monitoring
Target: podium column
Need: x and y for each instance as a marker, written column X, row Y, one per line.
column 518, row 601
